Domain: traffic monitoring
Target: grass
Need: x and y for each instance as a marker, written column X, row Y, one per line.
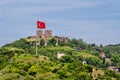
column 12, row 49
column 25, row 56
column 43, row 58
column 29, row 40
column 84, row 54
column 66, row 48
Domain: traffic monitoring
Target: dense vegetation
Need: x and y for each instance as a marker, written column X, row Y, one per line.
column 18, row 61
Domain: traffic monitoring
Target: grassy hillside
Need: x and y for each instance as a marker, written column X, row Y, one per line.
column 18, row 61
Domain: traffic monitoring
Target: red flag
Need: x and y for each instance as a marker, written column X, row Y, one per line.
column 40, row 25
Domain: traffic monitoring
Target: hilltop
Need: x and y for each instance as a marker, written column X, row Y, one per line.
column 79, row 60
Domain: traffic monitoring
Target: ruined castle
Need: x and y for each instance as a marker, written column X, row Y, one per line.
column 47, row 35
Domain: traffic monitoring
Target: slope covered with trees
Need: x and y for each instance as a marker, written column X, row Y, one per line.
column 81, row 61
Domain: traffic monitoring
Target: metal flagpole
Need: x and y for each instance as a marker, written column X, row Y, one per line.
column 36, row 42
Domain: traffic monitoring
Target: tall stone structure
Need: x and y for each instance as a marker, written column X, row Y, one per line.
column 39, row 33
column 46, row 34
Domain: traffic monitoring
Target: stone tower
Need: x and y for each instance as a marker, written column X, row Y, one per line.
column 39, row 33
column 48, row 33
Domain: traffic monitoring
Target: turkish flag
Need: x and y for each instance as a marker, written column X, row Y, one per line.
column 41, row 25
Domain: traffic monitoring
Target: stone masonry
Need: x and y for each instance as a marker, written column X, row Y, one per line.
column 46, row 34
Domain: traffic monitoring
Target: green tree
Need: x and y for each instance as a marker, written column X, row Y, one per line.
column 115, row 59
column 93, row 61
column 52, row 42
column 61, row 43
column 66, row 59
column 42, row 42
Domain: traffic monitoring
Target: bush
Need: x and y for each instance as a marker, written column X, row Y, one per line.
column 83, row 76
column 66, row 59
column 33, row 70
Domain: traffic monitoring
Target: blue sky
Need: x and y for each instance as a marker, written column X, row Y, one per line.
column 95, row 21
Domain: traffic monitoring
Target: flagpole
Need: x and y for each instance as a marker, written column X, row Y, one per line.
column 36, row 42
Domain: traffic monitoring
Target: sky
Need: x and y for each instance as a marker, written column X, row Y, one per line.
column 95, row 21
